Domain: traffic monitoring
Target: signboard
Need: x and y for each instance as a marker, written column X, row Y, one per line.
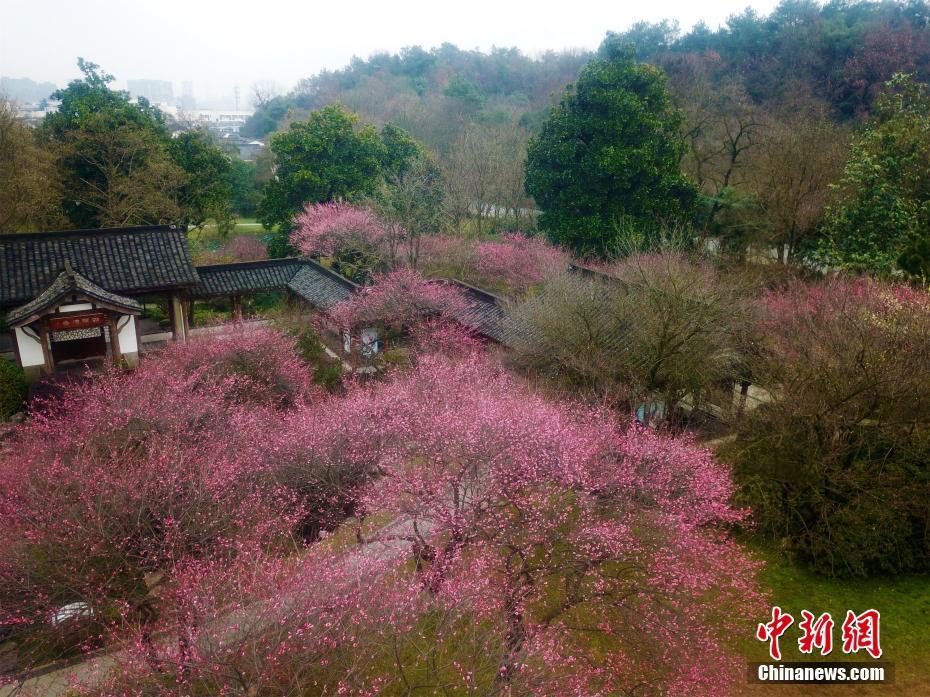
column 81, row 320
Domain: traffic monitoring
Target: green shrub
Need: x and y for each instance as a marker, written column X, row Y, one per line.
column 328, row 375
column 309, row 345
column 327, row 372
column 13, row 388
column 856, row 506
column 396, row 356
column 207, row 315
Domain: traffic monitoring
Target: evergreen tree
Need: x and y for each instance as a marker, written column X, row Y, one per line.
column 881, row 220
column 608, row 155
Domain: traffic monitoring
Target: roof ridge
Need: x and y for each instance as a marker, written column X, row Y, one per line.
column 244, row 264
column 469, row 286
column 67, row 282
column 85, row 232
column 329, row 272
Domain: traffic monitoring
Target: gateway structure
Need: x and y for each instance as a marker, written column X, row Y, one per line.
column 73, row 296
column 76, row 295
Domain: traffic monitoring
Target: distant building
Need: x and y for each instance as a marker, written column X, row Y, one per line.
column 187, row 101
column 33, row 113
column 156, row 91
column 247, row 149
column 222, row 120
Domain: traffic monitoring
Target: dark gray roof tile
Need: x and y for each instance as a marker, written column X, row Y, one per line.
column 245, row 277
column 122, row 260
column 484, row 313
column 308, row 279
column 67, row 283
column 321, row 287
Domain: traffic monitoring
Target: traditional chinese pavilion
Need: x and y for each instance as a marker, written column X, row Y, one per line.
column 77, row 295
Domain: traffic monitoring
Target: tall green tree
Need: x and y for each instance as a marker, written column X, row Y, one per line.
column 111, row 155
column 609, row 154
column 244, row 187
column 329, row 156
column 117, row 175
column 205, row 192
column 119, row 164
column 882, row 219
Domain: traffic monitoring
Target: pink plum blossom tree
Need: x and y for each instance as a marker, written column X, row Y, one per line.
column 130, row 475
column 238, row 248
column 510, row 545
column 835, row 461
column 252, row 364
column 512, row 264
column 396, row 301
column 516, row 262
column 351, row 235
column 124, row 478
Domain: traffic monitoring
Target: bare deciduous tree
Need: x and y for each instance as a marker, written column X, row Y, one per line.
column 656, row 327
column 789, row 176
column 484, row 170
column 263, row 92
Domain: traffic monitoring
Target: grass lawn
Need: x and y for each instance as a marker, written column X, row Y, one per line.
column 243, row 226
column 904, row 603
column 207, row 238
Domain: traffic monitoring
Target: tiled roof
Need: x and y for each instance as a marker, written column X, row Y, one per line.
column 320, row 286
column 313, row 282
column 67, row 283
column 484, row 313
column 245, row 277
column 118, row 259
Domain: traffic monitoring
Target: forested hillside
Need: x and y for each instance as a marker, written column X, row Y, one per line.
column 840, row 53
column 431, row 93
column 769, row 104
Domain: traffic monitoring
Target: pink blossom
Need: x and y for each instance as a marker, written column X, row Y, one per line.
column 399, row 299
column 512, row 264
column 517, row 262
column 239, row 248
column 504, row 543
column 330, row 229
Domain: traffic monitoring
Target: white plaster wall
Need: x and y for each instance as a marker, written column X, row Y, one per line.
column 30, row 350
column 76, row 307
column 127, row 334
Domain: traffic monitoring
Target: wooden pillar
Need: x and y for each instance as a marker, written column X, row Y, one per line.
column 187, row 306
column 172, row 320
column 115, row 352
column 177, row 314
column 49, row 366
column 237, row 307
column 19, row 358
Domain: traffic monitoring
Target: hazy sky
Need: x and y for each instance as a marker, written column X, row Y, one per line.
column 220, row 44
